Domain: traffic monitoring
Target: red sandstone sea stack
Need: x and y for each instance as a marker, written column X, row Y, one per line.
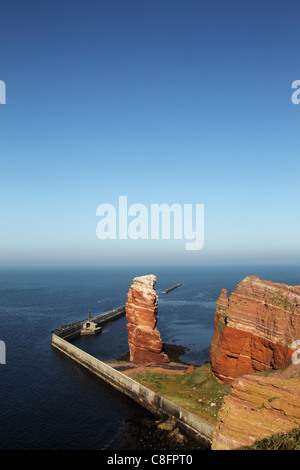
column 144, row 340
column 254, row 328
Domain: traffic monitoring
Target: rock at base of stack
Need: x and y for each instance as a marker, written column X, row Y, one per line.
column 144, row 340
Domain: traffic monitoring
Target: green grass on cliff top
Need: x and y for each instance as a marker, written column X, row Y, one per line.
column 197, row 391
column 280, row 441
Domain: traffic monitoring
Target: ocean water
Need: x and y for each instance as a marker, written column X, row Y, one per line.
column 50, row 402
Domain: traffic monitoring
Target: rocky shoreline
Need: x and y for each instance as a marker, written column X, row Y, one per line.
column 254, row 333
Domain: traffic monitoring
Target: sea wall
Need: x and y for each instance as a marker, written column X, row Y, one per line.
column 187, row 421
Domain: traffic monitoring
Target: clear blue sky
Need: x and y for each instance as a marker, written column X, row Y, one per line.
column 164, row 101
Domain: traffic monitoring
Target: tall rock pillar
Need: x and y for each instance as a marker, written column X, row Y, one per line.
column 144, row 340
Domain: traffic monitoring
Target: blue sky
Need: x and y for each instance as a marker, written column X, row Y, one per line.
column 165, row 101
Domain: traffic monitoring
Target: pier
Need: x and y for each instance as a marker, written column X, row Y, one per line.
column 73, row 330
column 172, row 288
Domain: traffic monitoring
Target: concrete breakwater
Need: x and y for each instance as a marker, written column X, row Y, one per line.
column 166, row 291
column 190, row 423
column 72, row 330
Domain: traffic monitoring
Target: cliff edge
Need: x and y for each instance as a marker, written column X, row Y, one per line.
column 254, row 328
column 258, row 407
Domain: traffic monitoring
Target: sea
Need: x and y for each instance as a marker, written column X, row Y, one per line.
column 49, row 402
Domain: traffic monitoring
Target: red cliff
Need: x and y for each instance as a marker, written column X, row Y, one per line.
column 144, row 340
column 254, row 328
column 258, row 407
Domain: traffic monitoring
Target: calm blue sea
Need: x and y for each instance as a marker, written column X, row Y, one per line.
column 50, row 402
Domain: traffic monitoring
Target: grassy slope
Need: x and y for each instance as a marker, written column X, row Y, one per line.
column 197, row 391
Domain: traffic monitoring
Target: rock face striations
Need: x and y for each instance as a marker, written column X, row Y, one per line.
column 144, row 340
column 255, row 328
column 256, row 408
